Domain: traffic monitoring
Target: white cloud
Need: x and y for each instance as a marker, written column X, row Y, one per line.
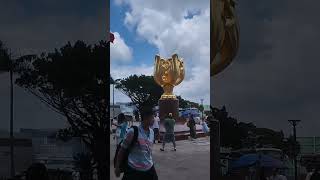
column 119, row 50
column 163, row 24
column 120, row 72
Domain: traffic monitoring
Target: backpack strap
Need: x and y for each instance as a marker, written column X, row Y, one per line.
column 135, row 136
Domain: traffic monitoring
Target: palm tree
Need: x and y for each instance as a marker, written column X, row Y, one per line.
column 6, row 65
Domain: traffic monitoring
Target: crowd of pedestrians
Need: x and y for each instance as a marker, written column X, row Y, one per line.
column 133, row 156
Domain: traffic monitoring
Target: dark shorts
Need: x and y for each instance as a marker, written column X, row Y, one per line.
column 132, row 174
column 156, row 133
column 168, row 137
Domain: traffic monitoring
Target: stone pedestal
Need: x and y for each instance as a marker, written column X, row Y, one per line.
column 181, row 130
column 167, row 106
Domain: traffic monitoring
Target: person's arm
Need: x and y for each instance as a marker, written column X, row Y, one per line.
column 125, row 145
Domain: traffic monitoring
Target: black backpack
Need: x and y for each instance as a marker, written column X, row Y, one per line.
column 315, row 176
column 124, row 163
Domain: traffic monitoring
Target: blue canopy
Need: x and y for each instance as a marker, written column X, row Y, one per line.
column 186, row 113
column 257, row 159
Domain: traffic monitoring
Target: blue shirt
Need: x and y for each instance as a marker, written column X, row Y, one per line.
column 121, row 131
column 140, row 157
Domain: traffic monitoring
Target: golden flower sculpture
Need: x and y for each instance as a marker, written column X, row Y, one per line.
column 224, row 34
column 168, row 73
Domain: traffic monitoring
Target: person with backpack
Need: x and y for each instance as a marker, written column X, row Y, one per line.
column 168, row 136
column 121, row 128
column 134, row 157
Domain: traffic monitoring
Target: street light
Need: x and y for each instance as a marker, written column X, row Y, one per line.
column 202, row 107
column 113, row 83
column 294, row 123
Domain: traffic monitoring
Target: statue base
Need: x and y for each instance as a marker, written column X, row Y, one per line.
column 181, row 130
column 167, row 106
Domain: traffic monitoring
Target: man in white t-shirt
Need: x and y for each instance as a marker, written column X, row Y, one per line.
column 156, row 127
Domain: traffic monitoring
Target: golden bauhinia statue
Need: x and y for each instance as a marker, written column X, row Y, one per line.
column 168, row 73
column 224, row 35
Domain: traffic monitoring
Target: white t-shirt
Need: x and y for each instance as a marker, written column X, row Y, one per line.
column 156, row 122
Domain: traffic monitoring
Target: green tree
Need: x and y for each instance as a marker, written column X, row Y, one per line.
column 5, row 60
column 74, row 83
column 201, row 108
column 142, row 90
column 7, row 65
column 246, row 135
column 186, row 104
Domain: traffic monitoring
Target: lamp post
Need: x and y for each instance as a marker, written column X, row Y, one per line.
column 294, row 123
column 113, row 99
column 113, row 84
column 202, row 108
column 11, row 124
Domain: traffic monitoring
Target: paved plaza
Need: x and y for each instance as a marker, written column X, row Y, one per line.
column 191, row 161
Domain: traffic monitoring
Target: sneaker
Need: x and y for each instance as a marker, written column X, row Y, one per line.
column 175, row 149
column 161, row 149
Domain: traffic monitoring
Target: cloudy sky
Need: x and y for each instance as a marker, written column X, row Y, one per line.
column 40, row 26
column 144, row 28
column 275, row 76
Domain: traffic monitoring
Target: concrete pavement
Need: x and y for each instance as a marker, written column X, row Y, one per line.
column 191, row 161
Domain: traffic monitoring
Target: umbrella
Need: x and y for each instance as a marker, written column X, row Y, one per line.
column 257, row 159
column 186, row 113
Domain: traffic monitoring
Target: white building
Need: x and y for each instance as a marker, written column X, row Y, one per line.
column 114, row 111
column 54, row 153
column 127, row 108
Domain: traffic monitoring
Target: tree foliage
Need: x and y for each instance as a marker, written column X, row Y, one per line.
column 4, row 58
column 183, row 103
column 73, row 82
column 142, row 90
column 239, row 135
column 201, row 108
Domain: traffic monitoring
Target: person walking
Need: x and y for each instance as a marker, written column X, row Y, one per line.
column 156, row 127
column 121, row 128
column 140, row 164
column 192, row 125
column 205, row 128
column 168, row 136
